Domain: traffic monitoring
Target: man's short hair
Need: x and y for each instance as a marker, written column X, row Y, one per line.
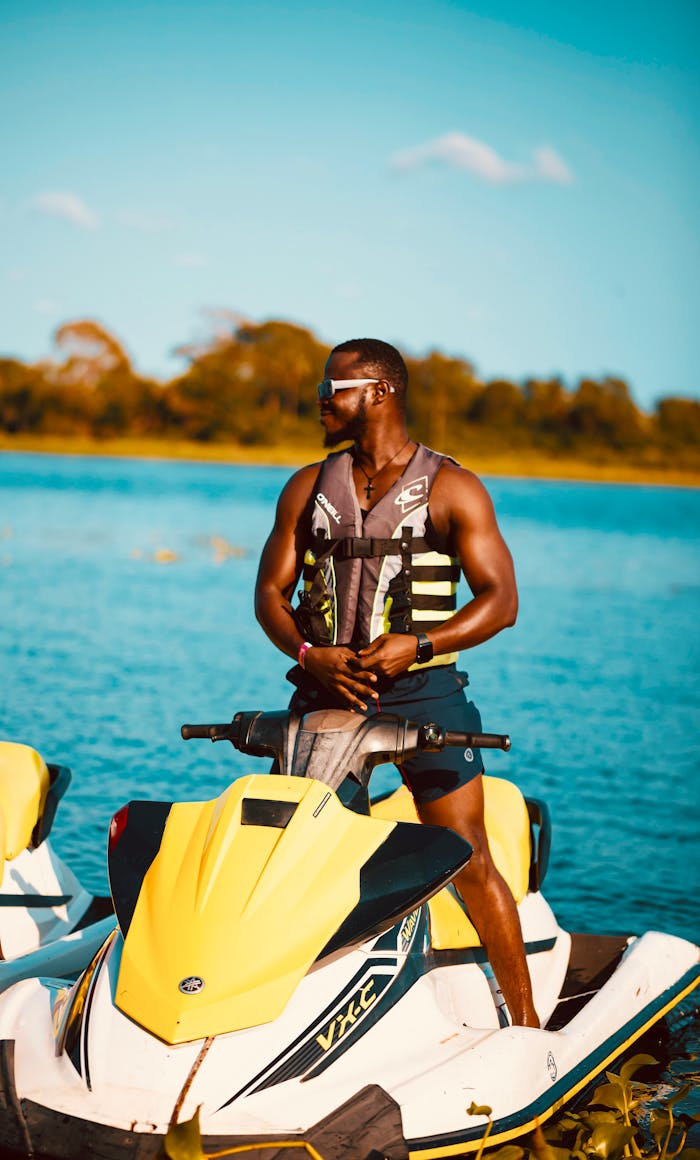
column 380, row 360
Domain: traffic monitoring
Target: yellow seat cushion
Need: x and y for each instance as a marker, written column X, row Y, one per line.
column 24, row 783
column 508, row 829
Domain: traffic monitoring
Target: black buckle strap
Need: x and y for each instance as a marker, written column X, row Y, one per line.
column 365, row 547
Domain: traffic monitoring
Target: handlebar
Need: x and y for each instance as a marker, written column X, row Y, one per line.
column 190, row 732
column 432, row 738
column 385, row 737
column 478, row 740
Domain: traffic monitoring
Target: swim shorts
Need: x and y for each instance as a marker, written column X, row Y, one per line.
column 431, row 695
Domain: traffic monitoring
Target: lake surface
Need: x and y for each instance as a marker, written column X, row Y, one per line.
column 126, row 608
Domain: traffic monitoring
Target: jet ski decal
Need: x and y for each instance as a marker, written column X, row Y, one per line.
column 353, row 1012
column 71, row 1015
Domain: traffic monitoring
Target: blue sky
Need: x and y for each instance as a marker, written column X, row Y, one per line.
column 513, row 182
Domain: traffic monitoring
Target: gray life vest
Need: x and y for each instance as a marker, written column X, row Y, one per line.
column 365, row 577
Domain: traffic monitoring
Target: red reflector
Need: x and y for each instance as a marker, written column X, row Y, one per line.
column 118, row 825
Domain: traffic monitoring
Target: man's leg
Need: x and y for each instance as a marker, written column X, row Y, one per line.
column 487, row 897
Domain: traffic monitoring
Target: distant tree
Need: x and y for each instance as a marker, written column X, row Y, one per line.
column 246, row 381
column 442, row 391
column 604, row 412
column 91, row 352
column 21, row 401
column 286, row 361
column 547, row 404
column 678, row 421
column 500, row 404
column 94, row 384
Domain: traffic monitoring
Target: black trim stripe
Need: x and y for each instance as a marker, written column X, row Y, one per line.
column 430, row 572
column 461, row 955
column 427, row 603
column 35, row 901
column 428, row 625
column 72, row 1035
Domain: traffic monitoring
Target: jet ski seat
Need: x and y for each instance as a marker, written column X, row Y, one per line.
column 24, row 784
column 508, row 829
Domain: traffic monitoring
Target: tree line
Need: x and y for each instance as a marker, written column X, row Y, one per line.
column 254, row 384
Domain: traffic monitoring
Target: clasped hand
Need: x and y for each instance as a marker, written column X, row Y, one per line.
column 352, row 676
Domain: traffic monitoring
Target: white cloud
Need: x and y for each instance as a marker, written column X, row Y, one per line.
column 550, row 167
column 68, row 206
column 459, row 151
column 191, row 261
column 146, row 223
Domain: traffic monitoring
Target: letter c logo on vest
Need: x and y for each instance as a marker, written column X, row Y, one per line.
column 412, row 495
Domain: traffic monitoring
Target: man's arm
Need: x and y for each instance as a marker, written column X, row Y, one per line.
column 280, row 567
column 462, row 512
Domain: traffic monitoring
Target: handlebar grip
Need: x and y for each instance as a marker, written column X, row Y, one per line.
column 188, row 732
column 478, row 740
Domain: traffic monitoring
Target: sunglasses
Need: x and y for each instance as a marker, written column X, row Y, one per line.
column 328, row 387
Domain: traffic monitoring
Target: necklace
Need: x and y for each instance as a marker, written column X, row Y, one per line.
column 370, row 478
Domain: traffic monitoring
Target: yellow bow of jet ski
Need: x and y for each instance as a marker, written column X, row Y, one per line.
column 295, row 964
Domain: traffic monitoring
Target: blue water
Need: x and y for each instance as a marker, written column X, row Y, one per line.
column 105, row 649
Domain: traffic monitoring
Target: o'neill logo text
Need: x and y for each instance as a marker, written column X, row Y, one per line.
column 412, row 494
column 328, row 506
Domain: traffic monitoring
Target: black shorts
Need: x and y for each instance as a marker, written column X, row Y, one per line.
column 431, row 695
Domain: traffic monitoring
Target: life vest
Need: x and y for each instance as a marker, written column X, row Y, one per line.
column 367, row 576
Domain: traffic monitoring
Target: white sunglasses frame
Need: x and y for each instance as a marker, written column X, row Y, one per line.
column 346, row 385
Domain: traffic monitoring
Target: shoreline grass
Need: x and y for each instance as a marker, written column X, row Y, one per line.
column 526, row 463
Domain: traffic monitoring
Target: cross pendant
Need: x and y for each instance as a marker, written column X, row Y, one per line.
column 369, row 489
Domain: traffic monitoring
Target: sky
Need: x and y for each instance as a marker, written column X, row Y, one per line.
column 514, row 182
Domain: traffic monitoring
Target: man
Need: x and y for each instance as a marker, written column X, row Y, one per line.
column 379, row 532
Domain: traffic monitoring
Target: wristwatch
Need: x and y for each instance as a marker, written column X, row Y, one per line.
column 424, row 649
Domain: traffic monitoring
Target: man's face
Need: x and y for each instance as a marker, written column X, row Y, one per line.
column 345, row 415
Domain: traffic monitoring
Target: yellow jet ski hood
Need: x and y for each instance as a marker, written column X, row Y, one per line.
column 225, row 905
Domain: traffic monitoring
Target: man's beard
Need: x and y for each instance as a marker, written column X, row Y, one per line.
column 354, row 430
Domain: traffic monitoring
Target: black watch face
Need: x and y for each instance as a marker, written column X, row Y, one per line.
column 424, row 651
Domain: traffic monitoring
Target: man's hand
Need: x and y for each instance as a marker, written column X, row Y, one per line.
column 337, row 669
column 389, row 655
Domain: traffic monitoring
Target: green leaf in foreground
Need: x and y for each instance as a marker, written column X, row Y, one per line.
column 632, row 1065
column 610, row 1095
column 609, row 1140
column 184, row 1141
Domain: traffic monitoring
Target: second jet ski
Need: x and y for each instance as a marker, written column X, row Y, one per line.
column 49, row 924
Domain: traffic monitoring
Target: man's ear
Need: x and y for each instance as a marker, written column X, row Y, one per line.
column 382, row 390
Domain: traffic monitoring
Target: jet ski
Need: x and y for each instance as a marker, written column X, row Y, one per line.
column 292, row 965
column 48, row 922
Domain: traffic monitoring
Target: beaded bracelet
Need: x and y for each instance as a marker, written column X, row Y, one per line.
column 301, row 655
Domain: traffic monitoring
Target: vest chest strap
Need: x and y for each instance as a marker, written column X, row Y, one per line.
column 365, row 547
